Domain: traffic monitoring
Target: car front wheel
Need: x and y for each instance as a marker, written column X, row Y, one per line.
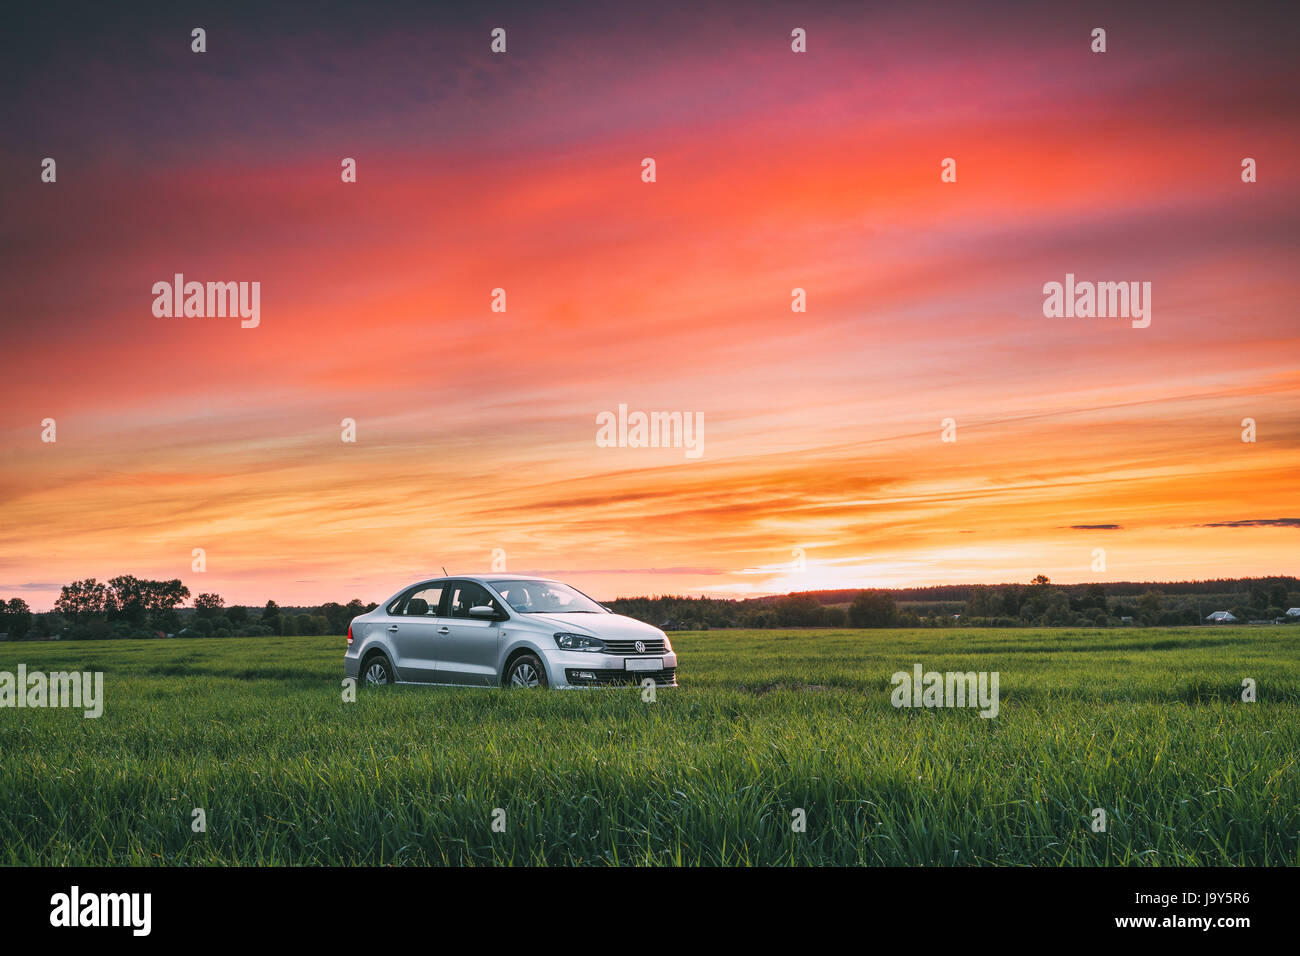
column 526, row 671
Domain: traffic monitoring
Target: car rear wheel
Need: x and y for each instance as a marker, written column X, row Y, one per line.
column 376, row 672
column 526, row 671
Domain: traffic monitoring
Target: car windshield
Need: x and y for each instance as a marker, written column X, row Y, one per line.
column 546, row 597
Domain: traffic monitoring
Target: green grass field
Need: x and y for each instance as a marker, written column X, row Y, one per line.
column 1146, row 724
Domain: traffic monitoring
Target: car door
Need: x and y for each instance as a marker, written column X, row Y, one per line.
column 412, row 628
column 467, row 652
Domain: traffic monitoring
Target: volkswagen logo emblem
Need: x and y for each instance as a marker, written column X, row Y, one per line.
column 640, row 647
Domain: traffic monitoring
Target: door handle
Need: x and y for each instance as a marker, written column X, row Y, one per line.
column 392, row 628
column 444, row 630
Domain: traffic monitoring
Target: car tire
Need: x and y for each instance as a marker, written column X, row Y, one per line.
column 376, row 671
column 525, row 671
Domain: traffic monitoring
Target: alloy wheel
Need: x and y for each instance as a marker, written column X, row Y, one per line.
column 523, row 675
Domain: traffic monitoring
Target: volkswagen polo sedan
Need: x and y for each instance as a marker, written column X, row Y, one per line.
column 503, row 630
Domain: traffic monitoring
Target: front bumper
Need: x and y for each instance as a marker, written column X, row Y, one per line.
column 585, row 669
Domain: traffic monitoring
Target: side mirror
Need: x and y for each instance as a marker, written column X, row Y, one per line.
column 483, row 610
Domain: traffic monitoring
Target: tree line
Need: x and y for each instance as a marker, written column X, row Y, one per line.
column 1038, row 603
column 127, row 606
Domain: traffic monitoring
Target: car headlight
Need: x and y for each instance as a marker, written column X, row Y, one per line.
column 668, row 645
column 578, row 642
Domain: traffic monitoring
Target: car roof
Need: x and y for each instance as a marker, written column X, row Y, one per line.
column 482, row 578
column 489, row 578
column 508, row 577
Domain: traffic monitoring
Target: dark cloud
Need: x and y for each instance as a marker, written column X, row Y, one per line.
column 1255, row 523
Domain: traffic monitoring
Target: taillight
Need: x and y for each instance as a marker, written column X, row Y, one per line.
column 349, row 633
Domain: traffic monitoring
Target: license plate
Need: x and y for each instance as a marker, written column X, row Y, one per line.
column 644, row 664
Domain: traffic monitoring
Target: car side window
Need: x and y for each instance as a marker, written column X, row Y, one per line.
column 420, row 602
column 467, row 594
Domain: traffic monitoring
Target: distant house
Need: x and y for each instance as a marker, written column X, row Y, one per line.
column 672, row 625
column 1293, row 612
column 1222, row 617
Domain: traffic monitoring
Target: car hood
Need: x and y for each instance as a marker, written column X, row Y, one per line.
column 612, row 626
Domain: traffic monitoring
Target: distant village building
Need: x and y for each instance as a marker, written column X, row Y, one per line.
column 1293, row 612
column 1222, row 617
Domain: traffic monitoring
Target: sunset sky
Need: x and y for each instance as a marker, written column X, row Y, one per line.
column 775, row 170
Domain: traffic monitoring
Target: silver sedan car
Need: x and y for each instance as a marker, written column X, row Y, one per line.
column 504, row 630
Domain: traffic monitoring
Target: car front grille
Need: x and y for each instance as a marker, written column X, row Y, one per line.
column 653, row 646
column 609, row 678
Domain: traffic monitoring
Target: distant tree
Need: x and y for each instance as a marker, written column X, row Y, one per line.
column 81, row 601
column 1034, row 603
column 982, row 602
column 798, row 610
column 165, row 595
column 50, row 624
column 1057, row 611
column 1150, row 605
column 96, row 629
column 166, row 620
column 208, row 605
column 128, row 599
column 15, row 618
column 271, row 617
column 337, row 617
column 142, row 602
column 1124, row 609
column 162, row 597
column 1096, row 596
column 1258, row 598
column 873, row 609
